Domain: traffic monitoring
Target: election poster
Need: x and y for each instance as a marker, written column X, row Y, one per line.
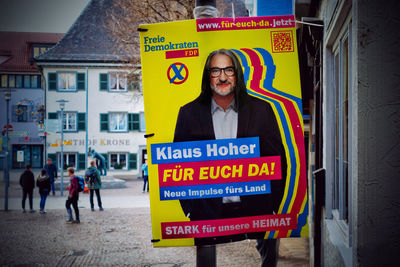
column 224, row 169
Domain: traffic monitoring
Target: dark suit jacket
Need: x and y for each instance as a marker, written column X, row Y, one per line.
column 255, row 118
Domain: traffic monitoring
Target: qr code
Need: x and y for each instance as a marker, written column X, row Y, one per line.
column 282, row 42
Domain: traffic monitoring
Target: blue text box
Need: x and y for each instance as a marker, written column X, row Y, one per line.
column 215, row 190
column 207, row 150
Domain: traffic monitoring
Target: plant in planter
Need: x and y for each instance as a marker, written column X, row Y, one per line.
column 118, row 166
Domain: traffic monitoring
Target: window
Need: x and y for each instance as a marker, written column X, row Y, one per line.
column 118, row 81
column 4, row 80
column 142, row 123
column 20, row 81
column 38, row 49
column 118, row 161
column 66, row 81
column 339, row 161
column 22, row 113
column 27, row 81
column 114, row 82
column 118, row 122
column 11, row 81
column 73, row 121
column 69, row 122
column 34, row 81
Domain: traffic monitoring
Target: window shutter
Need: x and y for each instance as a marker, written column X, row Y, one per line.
column 53, row 157
column 132, row 162
column 52, row 80
column 80, row 79
column 103, row 122
column 81, row 162
column 106, row 159
column 52, row 115
column 103, row 81
column 82, row 121
column 133, row 122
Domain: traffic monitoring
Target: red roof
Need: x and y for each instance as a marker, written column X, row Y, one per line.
column 16, row 46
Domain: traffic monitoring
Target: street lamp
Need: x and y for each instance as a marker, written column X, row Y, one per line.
column 62, row 106
column 7, row 97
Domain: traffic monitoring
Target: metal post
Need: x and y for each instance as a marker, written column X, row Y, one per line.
column 86, row 118
column 206, row 256
column 62, row 105
column 7, row 96
column 62, row 151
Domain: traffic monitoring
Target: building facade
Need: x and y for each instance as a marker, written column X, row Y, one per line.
column 104, row 111
column 351, row 67
column 26, row 107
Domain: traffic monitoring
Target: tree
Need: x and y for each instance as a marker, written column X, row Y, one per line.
column 123, row 21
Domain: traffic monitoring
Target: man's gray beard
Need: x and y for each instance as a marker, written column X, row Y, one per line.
column 218, row 92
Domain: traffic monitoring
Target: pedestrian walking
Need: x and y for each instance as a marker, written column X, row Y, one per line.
column 145, row 170
column 52, row 172
column 43, row 182
column 73, row 196
column 93, row 181
column 27, row 182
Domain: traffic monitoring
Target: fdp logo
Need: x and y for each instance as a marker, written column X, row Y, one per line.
column 177, row 73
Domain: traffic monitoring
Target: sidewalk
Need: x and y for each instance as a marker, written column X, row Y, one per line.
column 118, row 236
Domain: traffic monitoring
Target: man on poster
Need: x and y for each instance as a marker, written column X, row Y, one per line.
column 225, row 110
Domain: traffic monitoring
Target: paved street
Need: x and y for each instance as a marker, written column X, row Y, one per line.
column 118, row 236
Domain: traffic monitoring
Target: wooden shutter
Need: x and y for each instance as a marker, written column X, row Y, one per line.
column 82, row 121
column 52, row 115
column 103, row 81
column 103, row 122
column 52, row 80
column 80, row 80
column 133, row 122
column 81, row 162
column 132, row 161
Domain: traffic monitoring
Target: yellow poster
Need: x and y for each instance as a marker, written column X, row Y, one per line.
column 225, row 130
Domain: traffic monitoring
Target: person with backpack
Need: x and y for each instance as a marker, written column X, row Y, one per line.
column 44, row 184
column 93, row 181
column 27, row 182
column 73, row 196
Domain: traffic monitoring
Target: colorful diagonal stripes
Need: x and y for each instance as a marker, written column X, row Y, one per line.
column 259, row 72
